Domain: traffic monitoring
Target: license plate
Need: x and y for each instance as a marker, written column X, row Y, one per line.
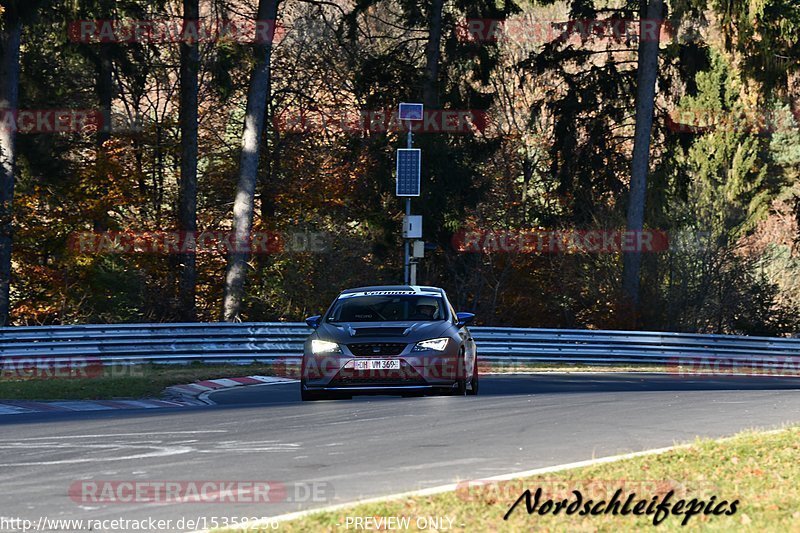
column 377, row 364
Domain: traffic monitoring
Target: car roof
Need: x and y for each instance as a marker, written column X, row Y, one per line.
column 411, row 289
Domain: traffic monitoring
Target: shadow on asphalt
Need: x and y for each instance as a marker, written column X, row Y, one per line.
column 492, row 386
column 545, row 383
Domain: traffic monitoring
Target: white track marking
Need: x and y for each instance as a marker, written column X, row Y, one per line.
column 13, row 410
column 453, row 486
column 226, row 382
column 158, row 451
column 145, row 434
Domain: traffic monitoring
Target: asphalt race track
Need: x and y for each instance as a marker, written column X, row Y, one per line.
column 369, row 446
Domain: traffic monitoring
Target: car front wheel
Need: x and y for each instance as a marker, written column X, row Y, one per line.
column 461, row 378
column 473, row 383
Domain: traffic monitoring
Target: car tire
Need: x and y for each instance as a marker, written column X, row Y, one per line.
column 461, row 383
column 473, row 384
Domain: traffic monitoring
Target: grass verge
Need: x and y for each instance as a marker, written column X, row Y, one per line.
column 139, row 381
column 759, row 469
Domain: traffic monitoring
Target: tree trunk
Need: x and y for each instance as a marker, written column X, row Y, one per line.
column 646, row 75
column 267, row 180
column 430, row 88
column 243, row 204
column 104, row 87
column 104, row 91
column 9, row 98
column 267, row 190
column 105, row 76
column 187, row 195
column 527, row 174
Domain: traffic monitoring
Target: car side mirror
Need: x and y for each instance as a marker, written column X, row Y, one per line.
column 465, row 319
column 313, row 321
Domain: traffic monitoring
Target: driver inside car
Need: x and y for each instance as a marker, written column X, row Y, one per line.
column 425, row 309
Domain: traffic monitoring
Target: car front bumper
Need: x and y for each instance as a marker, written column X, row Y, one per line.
column 418, row 370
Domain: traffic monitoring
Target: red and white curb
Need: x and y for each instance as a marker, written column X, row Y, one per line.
column 198, row 392
column 193, row 394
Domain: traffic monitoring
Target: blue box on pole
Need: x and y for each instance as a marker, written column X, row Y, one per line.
column 410, row 111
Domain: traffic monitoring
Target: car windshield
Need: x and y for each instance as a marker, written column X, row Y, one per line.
column 387, row 308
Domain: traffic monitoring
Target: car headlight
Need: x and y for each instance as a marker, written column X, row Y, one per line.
column 318, row 346
column 437, row 345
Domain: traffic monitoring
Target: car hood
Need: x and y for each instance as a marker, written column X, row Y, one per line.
column 351, row 332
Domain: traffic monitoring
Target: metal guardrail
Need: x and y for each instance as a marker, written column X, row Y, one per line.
column 282, row 342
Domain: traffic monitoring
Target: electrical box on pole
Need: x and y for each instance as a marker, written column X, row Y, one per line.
column 418, row 249
column 412, row 227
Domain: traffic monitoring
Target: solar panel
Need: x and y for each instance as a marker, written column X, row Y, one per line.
column 408, row 171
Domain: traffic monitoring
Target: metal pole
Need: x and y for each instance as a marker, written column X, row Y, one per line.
column 406, row 258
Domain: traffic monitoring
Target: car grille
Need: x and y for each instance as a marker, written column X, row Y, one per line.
column 407, row 375
column 376, row 349
column 355, row 381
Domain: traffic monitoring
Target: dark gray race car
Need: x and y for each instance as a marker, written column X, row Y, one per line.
column 389, row 339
